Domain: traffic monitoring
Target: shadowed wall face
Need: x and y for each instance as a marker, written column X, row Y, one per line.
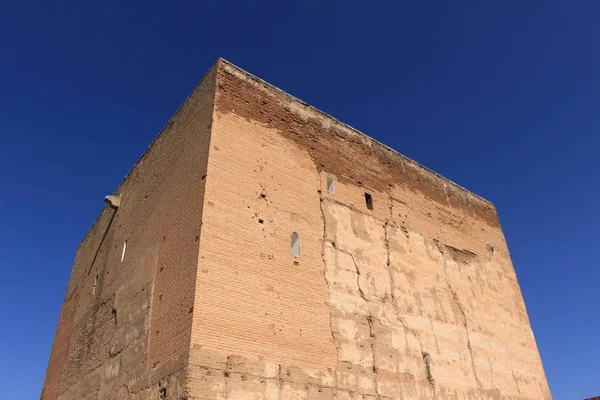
column 125, row 325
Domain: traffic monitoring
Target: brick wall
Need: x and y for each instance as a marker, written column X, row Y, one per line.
column 124, row 330
column 403, row 286
column 414, row 297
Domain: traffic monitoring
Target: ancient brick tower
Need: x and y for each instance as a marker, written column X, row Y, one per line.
column 260, row 249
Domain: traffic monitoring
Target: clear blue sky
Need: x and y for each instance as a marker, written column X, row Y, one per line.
column 501, row 97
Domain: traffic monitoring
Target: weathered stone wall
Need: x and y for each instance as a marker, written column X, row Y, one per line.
column 125, row 326
column 403, row 286
column 414, row 297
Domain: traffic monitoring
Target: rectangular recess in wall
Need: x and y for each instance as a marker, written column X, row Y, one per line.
column 369, row 200
column 330, row 185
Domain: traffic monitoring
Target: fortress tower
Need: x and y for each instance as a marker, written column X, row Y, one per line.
column 261, row 249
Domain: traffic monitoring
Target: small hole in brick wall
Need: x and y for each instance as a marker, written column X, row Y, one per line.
column 295, row 244
column 369, row 200
column 124, row 250
column 162, row 394
column 330, row 185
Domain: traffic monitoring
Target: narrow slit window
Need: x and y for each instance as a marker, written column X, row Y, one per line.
column 295, row 244
column 124, row 250
column 369, row 200
column 95, row 285
column 330, row 185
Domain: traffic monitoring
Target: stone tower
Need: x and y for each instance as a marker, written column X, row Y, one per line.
column 261, row 249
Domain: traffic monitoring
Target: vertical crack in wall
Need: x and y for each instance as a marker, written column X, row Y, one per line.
column 442, row 249
column 360, row 290
column 226, row 375
column 324, row 240
column 437, row 345
column 512, row 370
column 112, row 217
column 358, row 274
column 491, row 370
column 279, row 382
column 372, row 340
column 427, row 362
column 406, row 328
column 388, row 263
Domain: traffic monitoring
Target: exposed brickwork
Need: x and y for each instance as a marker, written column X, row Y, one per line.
column 125, row 326
column 335, row 147
column 411, row 296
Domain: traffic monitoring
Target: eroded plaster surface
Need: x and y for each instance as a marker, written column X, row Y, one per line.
column 275, row 253
column 412, row 296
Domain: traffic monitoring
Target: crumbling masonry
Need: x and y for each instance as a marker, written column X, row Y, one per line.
column 260, row 249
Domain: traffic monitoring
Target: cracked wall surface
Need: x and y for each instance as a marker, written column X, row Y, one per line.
column 402, row 287
column 414, row 298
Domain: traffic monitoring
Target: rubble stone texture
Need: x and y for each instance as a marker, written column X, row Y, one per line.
column 402, row 285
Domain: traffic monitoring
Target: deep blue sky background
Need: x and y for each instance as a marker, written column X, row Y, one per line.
column 501, row 97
